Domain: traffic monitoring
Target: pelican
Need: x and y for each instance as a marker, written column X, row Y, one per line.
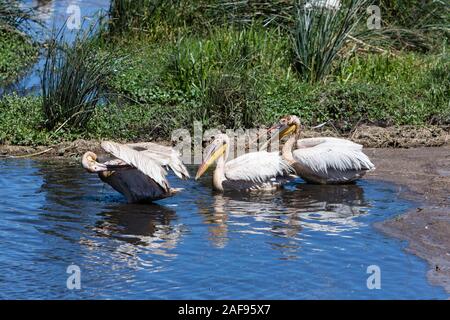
column 252, row 171
column 321, row 160
column 138, row 170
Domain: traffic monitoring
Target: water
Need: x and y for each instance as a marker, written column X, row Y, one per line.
column 53, row 15
column 305, row 242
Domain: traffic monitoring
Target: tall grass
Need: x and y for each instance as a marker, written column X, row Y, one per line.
column 226, row 71
column 238, row 12
column 157, row 19
column 319, row 35
column 410, row 25
column 74, row 80
column 126, row 16
column 414, row 14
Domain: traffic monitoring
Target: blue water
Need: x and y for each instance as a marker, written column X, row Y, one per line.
column 305, row 242
column 53, row 16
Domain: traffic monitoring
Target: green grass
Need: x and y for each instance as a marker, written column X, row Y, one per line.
column 174, row 71
column 74, row 80
column 20, row 121
column 409, row 89
column 319, row 35
column 17, row 52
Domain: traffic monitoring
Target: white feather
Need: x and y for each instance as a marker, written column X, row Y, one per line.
column 332, row 154
column 165, row 156
column 311, row 142
column 256, row 167
column 139, row 160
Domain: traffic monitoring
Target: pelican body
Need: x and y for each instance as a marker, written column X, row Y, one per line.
column 250, row 172
column 322, row 160
column 138, row 171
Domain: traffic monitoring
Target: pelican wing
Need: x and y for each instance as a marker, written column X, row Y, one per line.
column 331, row 155
column 256, row 167
column 140, row 161
column 311, row 142
column 165, row 156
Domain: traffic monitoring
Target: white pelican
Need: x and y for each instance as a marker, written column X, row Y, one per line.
column 321, row 160
column 138, row 172
column 252, row 171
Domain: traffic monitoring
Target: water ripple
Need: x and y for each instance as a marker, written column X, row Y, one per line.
column 303, row 242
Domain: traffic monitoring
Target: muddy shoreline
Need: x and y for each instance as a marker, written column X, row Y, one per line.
column 423, row 176
column 368, row 136
column 420, row 174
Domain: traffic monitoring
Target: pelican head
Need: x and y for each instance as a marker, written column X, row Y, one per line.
column 285, row 127
column 89, row 162
column 214, row 151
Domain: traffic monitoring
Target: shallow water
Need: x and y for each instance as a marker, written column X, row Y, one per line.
column 305, row 242
column 53, row 15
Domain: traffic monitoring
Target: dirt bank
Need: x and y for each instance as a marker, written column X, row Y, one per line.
column 369, row 136
column 422, row 175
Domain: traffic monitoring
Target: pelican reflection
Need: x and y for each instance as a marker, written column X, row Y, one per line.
column 322, row 208
column 327, row 208
column 140, row 229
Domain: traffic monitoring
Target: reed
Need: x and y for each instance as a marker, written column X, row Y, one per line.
column 74, row 79
column 319, row 34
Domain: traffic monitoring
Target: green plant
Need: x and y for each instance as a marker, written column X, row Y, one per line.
column 414, row 14
column 417, row 25
column 156, row 19
column 126, row 16
column 225, row 72
column 20, row 121
column 319, row 35
column 237, row 12
column 74, row 80
column 17, row 52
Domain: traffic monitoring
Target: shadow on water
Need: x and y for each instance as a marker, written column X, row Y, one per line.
column 303, row 242
column 142, row 226
column 285, row 213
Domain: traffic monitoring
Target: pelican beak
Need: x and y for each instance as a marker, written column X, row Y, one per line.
column 91, row 165
column 212, row 155
column 281, row 130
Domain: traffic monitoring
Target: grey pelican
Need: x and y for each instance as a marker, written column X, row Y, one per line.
column 138, row 172
column 250, row 172
column 322, row 160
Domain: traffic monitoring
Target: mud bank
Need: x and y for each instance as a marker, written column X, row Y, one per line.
column 369, row 136
column 421, row 175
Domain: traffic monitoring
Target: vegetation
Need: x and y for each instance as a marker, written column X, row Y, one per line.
column 233, row 65
column 74, row 80
column 14, row 17
column 17, row 51
column 319, row 35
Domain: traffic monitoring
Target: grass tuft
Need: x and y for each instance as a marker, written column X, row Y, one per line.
column 74, row 80
column 320, row 34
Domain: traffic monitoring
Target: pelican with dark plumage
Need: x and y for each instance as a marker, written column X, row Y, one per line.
column 138, row 171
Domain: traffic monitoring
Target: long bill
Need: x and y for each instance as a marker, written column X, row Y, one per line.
column 279, row 131
column 212, row 155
